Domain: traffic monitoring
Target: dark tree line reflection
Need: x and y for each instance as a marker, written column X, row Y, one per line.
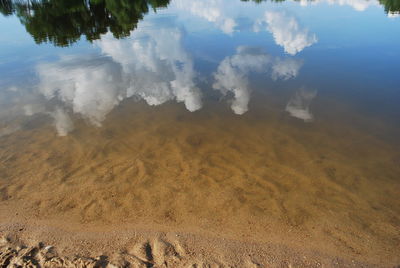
column 391, row 5
column 63, row 22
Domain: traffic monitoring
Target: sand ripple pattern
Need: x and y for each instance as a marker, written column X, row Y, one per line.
column 259, row 177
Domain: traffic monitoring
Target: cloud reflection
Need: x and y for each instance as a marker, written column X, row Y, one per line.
column 214, row 11
column 229, row 17
column 156, row 65
column 62, row 121
column 299, row 105
column 151, row 65
column 232, row 73
column 91, row 86
column 359, row 5
column 287, row 31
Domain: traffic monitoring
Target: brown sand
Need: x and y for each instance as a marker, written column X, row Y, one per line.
column 161, row 186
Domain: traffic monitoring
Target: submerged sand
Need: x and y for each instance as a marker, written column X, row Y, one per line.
column 158, row 186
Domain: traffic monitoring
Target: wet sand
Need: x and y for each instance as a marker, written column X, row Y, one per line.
column 161, row 186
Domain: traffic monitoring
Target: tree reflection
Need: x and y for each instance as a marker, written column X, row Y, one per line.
column 6, row 7
column 63, row 22
column 391, row 5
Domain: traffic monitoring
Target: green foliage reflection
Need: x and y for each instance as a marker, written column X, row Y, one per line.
column 63, row 22
column 391, row 5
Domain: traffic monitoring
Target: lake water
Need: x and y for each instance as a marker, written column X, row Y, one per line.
column 261, row 121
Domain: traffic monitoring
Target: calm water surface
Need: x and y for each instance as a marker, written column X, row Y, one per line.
column 247, row 119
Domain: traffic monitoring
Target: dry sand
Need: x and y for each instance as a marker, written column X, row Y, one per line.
column 144, row 248
column 158, row 186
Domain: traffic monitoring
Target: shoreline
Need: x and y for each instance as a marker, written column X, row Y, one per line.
column 53, row 247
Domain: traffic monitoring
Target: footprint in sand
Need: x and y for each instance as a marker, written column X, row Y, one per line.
column 158, row 253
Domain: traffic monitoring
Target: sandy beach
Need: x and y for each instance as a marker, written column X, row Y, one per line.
column 143, row 248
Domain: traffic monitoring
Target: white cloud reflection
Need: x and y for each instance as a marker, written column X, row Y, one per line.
column 232, row 73
column 230, row 17
column 286, row 30
column 157, row 66
column 151, row 65
column 359, row 5
column 218, row 12
column 227, row 17
column 62, row 121
column 393, row 14
column 299, row 105
column 90, row 86
column 286, row 68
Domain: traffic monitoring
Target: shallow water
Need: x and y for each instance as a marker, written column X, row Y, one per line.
column 268, row 122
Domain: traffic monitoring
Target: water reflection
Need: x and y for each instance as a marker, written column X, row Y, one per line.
column 215, row 12
column 285, row 27
column 299, row 105
column 286, row 30
column 90, row 86
column 63, row 22
column 391, row 6
column 233, row 71
column 151, row 65
column 155, row 62
column 144, row 67
column 157, row 66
